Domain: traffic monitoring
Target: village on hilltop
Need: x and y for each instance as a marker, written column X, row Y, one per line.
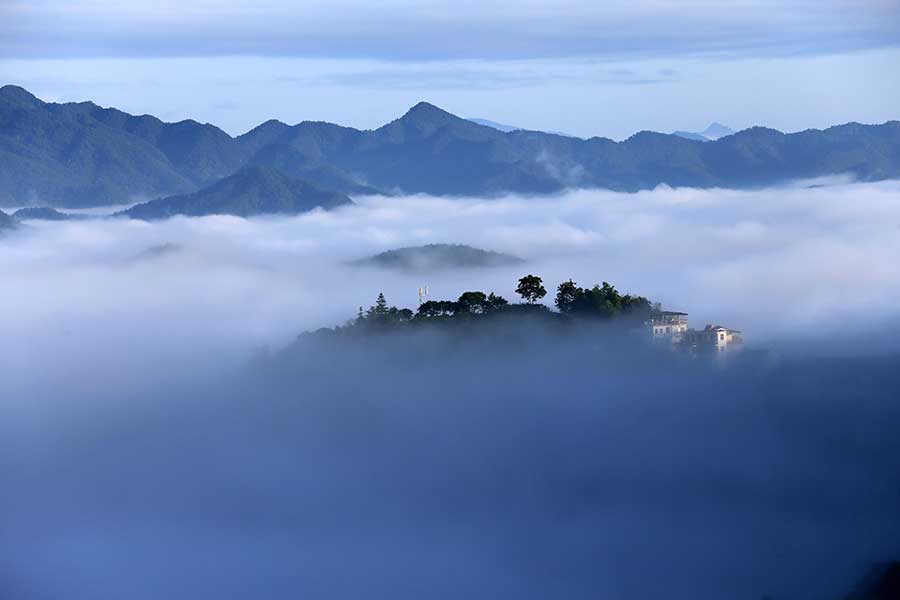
column 599, row 303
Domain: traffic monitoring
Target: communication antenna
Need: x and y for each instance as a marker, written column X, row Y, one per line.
column 423, row 295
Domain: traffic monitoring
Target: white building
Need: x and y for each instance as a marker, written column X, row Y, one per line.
column 671, row 328
column 668, row 326
column 712, row 339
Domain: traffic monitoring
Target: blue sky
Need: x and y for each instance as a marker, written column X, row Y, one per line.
column 576, row 66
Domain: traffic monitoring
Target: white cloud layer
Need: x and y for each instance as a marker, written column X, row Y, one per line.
column 788, row 266
column 139, row 461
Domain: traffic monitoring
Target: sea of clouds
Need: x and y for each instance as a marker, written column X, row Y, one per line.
column 786, row 266
column 140, row 460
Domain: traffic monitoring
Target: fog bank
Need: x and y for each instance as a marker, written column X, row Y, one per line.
column 787, row 266
column 442, row 466
column 142, row 459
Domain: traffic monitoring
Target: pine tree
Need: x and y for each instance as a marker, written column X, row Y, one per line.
column 381, row 305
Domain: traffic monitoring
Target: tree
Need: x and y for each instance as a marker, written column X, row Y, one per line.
column 380, row 304
column 602, row 301
column 531, row 288
column 399, row 314
column 379, row 311
column 436, row 308
column 606, row 300
column 638, row 307
column 494, row 302
column 566, row 295
column 472, row 302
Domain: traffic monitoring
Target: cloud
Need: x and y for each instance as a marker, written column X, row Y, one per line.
column 141, row 458
column 777, row 263
column 554, row 468
column 403, row 30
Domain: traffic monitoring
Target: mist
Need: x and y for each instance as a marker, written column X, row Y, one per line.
column 144, row 457
column 785, row 265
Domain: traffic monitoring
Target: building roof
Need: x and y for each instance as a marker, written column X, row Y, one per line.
column 718, row 327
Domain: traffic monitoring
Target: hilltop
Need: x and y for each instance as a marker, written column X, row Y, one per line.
column 600, row 303
column 41, row 213
column 250, row 192
column 437, row 257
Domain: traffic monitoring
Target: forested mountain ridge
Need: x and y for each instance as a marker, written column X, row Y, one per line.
column 80, row 154
column 250, row 192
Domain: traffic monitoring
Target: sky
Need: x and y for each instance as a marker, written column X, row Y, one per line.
column 566, row 66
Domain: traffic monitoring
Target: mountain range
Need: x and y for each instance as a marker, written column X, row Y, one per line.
column 80, row 154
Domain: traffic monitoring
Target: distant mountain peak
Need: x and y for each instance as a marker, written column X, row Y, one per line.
column 425, row 108
column 423, row 119
column 272, row 123
column 19, row 95
column 15, row 89
column 424, row 112
column 716, row 130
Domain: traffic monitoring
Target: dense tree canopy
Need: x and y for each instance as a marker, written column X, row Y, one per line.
column 472, row 302
column 600, row 301
column 566, row 294
column 469, row 303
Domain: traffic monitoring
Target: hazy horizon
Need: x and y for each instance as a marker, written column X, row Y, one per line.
column 475, row 117
column 561, row 66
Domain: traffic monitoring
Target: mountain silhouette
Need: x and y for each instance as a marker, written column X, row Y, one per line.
column 250, row 192
column 80, row 154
